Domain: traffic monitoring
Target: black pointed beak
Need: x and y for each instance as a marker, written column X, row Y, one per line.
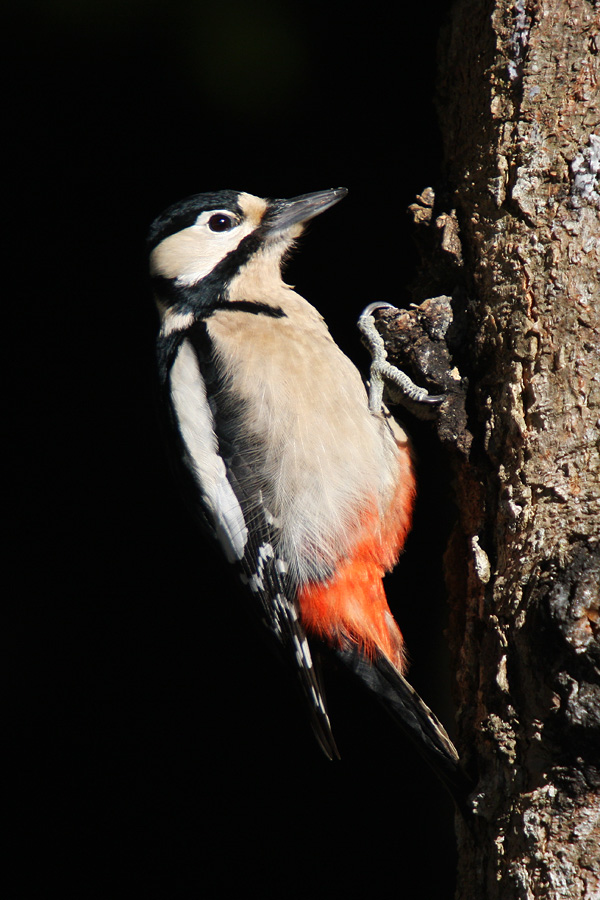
column 283, row 214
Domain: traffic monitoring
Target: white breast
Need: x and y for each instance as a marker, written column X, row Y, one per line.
column 320, row 456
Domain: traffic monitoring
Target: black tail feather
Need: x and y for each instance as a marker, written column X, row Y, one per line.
column 415, row 719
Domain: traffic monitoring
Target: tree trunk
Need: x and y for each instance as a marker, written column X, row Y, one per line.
column 517, row 240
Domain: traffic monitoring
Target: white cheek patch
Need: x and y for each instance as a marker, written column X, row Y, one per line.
column 188, row 394
column 189, row 255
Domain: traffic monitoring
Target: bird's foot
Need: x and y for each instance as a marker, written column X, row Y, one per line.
column 398, row 386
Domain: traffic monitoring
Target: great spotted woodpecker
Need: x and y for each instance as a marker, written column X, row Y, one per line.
column 304, row 480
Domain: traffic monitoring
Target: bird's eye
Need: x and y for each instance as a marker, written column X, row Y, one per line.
column 221, row 222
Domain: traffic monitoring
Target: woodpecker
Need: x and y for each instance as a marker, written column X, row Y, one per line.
column 305, row 481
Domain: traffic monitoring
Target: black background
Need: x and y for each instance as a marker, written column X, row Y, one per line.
column 162, row 751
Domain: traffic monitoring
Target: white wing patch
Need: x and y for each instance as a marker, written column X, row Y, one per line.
column 188, row 393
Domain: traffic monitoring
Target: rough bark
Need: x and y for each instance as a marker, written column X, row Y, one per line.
column 515, row 239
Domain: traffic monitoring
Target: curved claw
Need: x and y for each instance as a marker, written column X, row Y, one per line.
column 433, row 399
column 378, row 304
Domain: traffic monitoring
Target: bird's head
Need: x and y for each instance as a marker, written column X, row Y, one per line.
column 203, row 246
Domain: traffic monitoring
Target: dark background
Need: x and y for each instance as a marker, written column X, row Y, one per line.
column 162, row 751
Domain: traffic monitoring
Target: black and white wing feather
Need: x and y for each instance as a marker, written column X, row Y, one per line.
column 230, row 507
